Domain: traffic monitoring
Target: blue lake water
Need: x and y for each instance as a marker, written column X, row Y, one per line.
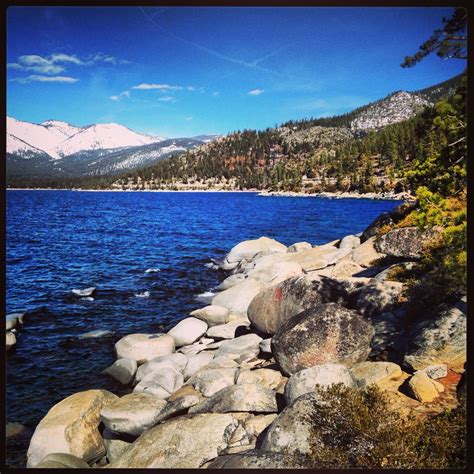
column 60, row 240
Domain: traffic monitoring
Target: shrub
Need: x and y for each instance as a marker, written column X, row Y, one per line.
column 355, row 428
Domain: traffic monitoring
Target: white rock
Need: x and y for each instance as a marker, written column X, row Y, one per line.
column 349, row 242
column 187, row 331
column 197, row 362
column 249, row 248
column 240, row 348
column 132, row 414
column 161, row 382
column 123, row 370
column 299, row 247
column 10, row 340
column 158, row 364
column 211, row 381
column 325, row 375
column 144, row 347
column 237, row 299
column 224, row 331
column 213, row 315
column 85, row 292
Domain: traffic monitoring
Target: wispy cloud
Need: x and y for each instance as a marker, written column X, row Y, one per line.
column 215, row 93
column 256, row 92
column 56, row 63
column 163, row 87
column 119, row 96
column 188, row 119
column 167, row 98
column 38, row 78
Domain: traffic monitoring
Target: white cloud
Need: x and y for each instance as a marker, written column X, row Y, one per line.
column 56, row 63
column 114, row 97
column 215, row 93
column 38, row 78
column 119, row 96
column 164, row 87
column 191, row 88
column 188, row 119
column 256, row 92
column 167, row 98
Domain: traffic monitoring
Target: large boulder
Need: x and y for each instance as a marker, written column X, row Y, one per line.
column 132, row 414
column 292, row 431
column 257, row 459
column 237, row 298
column 349, row 242
column 179, row 405
column 269, row 378
column 275, row 273
column 240, row 348
column 176, row 362
column 324, row 333
column 274, row 306
column 249, row 248
column 213, row 315
column 187, row 331
column 144, row 347
column 310, row 379
column 224, row 331
column 406, row 242
column 210, row 381
column 441, row 340
column 196, row 362
column 185, row 442
column 71, row 427
column 366, row 254
column 61, row 461
column 161, row 382
column 376, row 297
column 249, row 397
column 299, row 247
column 387, row 218
column 114, row 444
column 122, row 370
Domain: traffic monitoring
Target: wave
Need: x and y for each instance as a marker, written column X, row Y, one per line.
column 205, row 297
column 145, row 294
column 152, row 270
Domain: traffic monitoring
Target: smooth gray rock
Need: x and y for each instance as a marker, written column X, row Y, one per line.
column 122, row 370
column 12, row 321
column 324, row 375
column 266, row 346
column 325, row 333
column 144, row 347
column 237, row 298
column 349, row 242
column 366, row 254
column 158, row 364
column 178, row 407
column 257, row 459
column 114, row 444
column 211, row 381
column 187, row 331
column 240, row 348
column 299, row 247
column 249, row 248
column 13, row 429
column 132, row 414
column 185, row 442
column 212, row 315
column 197, row 362
column 161, row 382
column 266, row 377
column 224, row 331
column 61, row 461
column 248, row 397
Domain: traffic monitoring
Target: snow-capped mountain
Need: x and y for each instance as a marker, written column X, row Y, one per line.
column 58, row 149
column 59, row 139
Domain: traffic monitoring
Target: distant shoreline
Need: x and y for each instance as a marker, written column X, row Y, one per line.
column 329, row 195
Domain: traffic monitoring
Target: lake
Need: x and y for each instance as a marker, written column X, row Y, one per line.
column 147, row 254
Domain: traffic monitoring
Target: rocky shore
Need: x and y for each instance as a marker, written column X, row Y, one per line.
column 403, row 196
column 235, row 384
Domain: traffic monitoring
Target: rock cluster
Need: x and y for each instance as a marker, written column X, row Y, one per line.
column 235, row 384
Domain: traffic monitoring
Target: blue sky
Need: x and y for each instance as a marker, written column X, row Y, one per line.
column 184, row 71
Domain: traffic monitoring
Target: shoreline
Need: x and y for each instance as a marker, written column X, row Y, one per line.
column 324, row 194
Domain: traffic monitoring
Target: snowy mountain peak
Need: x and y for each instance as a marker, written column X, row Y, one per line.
column 58, row 139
